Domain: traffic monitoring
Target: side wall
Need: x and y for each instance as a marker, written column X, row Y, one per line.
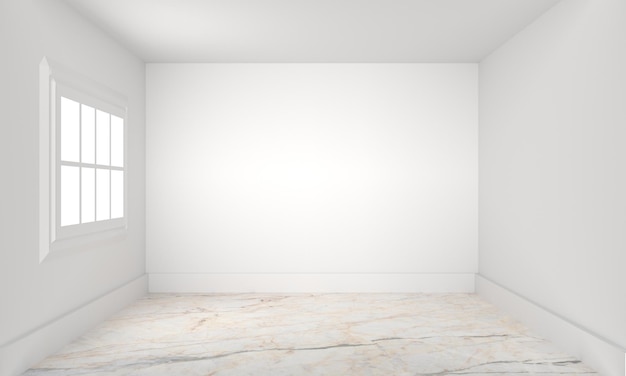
column 553, row 165
column 34, row 295
column 284, row 177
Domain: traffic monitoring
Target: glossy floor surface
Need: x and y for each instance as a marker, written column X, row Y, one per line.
column 327, row 334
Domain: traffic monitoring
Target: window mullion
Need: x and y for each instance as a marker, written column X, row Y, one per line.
column 57, row 161
column 95, row 170
column 80, row 159
column 73, row 164
column 110, row 195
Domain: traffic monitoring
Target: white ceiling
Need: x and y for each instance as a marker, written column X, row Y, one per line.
column 312, row 30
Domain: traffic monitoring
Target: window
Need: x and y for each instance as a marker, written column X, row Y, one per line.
column 91, row 166
column 83, row 180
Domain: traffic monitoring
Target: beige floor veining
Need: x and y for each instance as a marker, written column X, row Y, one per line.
column 304, row 334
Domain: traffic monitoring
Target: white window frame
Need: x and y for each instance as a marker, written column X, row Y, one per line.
column 55, row 82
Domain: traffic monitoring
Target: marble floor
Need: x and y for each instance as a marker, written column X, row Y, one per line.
column 321, row 334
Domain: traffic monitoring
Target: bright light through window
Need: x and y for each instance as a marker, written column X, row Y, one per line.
column 117, row 194
column 88, row 194
column 70, row 189
column 117, row 141
column 103, row 134
column 88, row 134
column 69, row 130
column 91, row 164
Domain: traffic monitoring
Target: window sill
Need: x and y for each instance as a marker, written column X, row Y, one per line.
column 68, row 245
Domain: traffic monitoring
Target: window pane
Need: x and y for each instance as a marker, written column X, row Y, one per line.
column 70, row 199
column 117, row 141
column 117, row 194
column 69, row 130
column 88, row 134
column 102, row 195
column 102, row 138
column 88, row 195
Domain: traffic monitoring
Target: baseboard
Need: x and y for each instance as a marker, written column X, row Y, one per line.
column 22, row 353
column 604, row 356
column 311, row 282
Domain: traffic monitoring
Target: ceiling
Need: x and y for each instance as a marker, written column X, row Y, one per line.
column 318, row 31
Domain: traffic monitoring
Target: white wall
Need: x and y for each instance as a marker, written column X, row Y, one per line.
column 34, row 294
column 311, row 168
column 553, row 165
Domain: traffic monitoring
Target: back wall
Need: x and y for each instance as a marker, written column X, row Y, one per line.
column 338, row 177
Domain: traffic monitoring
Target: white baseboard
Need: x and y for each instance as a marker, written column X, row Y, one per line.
column 311, row 282
column 604, row 356
column 20, row 354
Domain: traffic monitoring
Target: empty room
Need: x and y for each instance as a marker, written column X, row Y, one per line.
column 313, row 187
